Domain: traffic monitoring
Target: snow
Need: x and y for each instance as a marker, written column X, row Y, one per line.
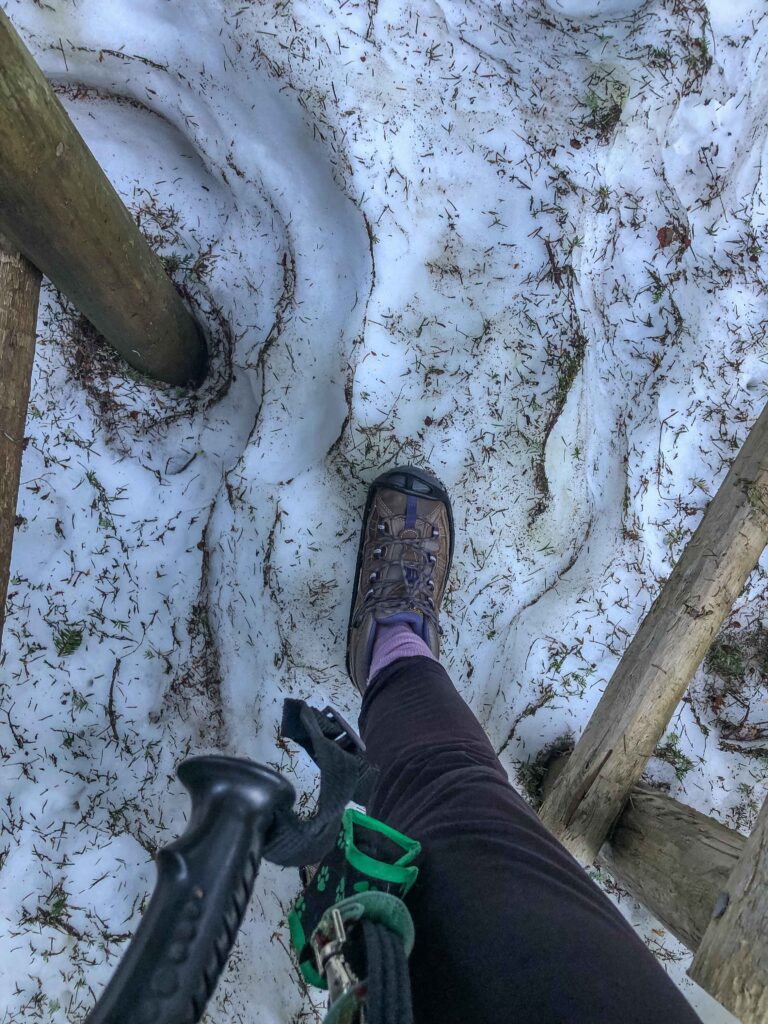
column 420, row 232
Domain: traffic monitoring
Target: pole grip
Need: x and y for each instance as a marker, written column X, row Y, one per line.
column 204, row 882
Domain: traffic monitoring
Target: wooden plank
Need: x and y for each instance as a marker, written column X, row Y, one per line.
column 651, row 679
column 19, row 298
column 673, row 859
column 57, row 207
column 732, row 960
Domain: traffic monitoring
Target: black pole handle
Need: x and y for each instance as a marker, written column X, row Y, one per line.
column 204, row 882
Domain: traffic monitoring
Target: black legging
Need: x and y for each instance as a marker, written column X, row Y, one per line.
column 509, row 928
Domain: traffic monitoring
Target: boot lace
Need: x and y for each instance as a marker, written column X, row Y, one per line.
column 409, row 590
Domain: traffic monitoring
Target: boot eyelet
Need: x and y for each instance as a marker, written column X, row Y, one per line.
column 431, row 584
column 378, row 552
column 382, row 527
column 430, row 602
column 432, row 560
column 373, row 577
column 435, row 531
column 369, row 594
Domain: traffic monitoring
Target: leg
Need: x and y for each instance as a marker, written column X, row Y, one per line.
column 508, row 925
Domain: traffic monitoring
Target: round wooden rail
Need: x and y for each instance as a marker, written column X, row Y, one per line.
column 58, row 208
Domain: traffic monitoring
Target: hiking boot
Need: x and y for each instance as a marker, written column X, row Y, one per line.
column 406, row 546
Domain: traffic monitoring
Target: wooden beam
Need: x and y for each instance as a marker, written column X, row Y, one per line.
column 652, row 677
column 672, row 859
column 732, row 960
column 19, row 298
column 59, row 210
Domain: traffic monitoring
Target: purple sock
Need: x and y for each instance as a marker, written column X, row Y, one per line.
column 393, row 642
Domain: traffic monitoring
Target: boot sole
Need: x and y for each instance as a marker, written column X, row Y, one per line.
column 401, row 479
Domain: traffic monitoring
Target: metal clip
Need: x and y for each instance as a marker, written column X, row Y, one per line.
column 344, row 736
column 329, row 957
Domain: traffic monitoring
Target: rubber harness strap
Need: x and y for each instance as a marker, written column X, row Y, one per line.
column 292, row 841
column 388, row 999
column 344, row 775
column 381, row 924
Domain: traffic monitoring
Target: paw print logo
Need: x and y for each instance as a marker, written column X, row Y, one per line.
column 322, row 878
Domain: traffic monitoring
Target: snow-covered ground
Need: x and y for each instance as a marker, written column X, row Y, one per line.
column 520, row 243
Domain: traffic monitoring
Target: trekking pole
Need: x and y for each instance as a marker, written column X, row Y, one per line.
column 204, row 882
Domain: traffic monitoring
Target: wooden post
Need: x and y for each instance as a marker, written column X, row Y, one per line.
column 651, row 679
column 59, row 210
column 19, row 297
column 732, row 960
column 673, row 859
